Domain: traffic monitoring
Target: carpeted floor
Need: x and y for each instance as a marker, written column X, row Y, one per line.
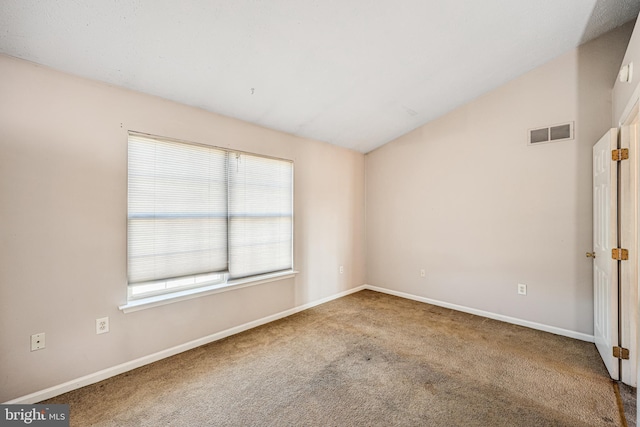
column 368, row 359
column 628, row 397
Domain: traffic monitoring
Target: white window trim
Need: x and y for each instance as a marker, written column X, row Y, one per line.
column 169, row 298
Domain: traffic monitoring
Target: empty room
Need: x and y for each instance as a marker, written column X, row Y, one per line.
column 354, row 213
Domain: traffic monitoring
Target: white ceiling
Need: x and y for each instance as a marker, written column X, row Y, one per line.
column 355, row 73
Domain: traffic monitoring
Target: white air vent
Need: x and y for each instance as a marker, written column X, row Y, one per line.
column 555, row 133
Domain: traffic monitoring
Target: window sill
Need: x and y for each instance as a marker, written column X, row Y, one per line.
column 158, row 300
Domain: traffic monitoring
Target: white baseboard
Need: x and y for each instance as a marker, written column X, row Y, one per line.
column 145, row 360
column 508, row 319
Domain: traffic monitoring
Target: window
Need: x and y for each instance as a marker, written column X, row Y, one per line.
column 201, row 216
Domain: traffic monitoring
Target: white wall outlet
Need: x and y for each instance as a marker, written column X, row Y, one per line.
column 37, row 341
column 102, row 325
column 522, row 289
column 341, row 269
column 423, row 273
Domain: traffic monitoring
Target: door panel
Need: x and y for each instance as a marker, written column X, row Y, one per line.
column 605, row 269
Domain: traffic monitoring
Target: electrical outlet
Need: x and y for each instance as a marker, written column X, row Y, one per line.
column 522, row 289
column 37, row 341
column 423, row 273
column 341, row 269
column 102, row 325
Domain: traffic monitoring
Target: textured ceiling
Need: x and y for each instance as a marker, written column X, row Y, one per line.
column 355, row 73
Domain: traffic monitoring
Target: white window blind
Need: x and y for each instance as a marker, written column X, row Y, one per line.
column 260, row 215
column 194, row 211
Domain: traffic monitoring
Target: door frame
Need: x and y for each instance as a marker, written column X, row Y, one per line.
column 628, row 229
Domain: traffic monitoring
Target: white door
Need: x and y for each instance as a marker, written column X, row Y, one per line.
column 605, row 269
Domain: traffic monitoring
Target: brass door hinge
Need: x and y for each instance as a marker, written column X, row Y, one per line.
column 620, row 154
column 621, row 353
column 620, row 254
column 591, row 254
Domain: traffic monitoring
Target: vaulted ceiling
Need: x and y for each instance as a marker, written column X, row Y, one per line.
column 355, row 73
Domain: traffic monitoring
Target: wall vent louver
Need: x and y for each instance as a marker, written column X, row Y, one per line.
column 554, row 133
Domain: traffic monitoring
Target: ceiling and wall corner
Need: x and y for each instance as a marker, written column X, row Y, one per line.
column 353, row 73
column 468, row 201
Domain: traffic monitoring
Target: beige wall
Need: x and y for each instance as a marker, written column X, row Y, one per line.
column 623, row 91
column 466, row 199
column 63, row 157
column 463, row 197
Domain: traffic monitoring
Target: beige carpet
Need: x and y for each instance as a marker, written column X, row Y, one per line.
column 368, row 359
